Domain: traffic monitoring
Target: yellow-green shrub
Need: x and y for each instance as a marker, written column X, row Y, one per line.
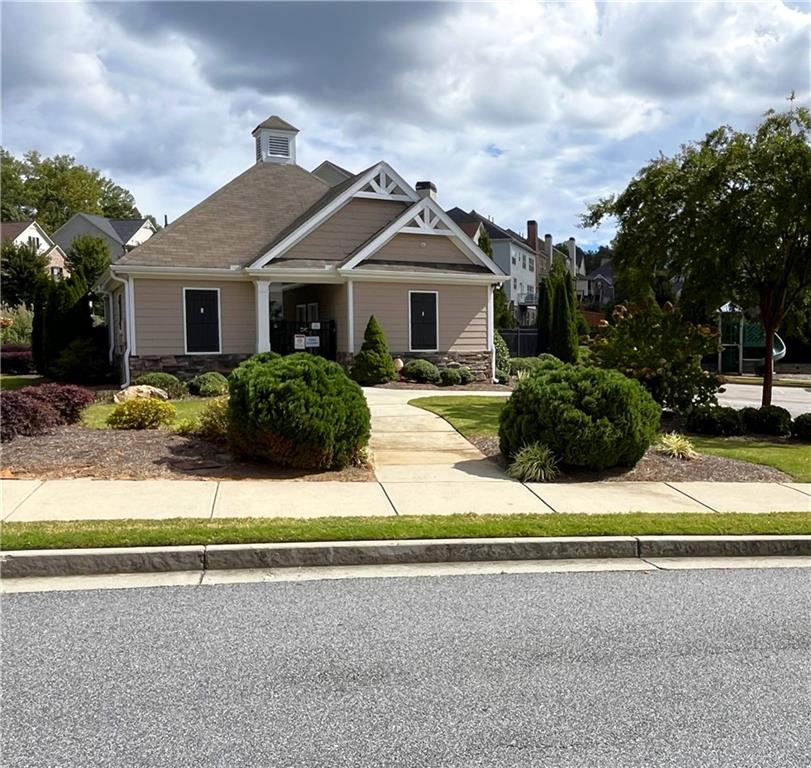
column 143, row 413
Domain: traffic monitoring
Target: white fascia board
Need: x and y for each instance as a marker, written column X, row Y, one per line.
column 386, row 276
column 292, row 275
column 41, row 232
column 203, row 273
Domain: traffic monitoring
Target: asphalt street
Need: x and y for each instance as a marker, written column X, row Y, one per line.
column 795, row 400
column 694, row 668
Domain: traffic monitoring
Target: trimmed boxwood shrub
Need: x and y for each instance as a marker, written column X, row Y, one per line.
column 374, row 363
column 502, row 354
column 21, row 414
column 767, row 420
column 142, row 413
column 715, row 420
column 211, row 384
column 465, row 375
column 16, row 359
column 423, row 371
column 170, row 384
column 587, row 417
column 802, row 427
column 299, row 411
column 449, row 376
column 68, row 400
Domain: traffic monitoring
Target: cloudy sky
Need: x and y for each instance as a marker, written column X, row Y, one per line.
column 520, row 110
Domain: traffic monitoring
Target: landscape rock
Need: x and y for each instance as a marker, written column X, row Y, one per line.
column 138, row 392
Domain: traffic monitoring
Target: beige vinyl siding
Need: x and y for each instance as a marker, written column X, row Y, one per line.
column 345, row 230
column 462, row 314
column 427, row 249
column 331, row 306
column 159, row 315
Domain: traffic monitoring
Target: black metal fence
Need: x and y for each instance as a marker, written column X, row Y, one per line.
column 522, row 342
column 288, row 336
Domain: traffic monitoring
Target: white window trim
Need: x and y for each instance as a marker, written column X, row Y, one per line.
column 219, row 321
column 436, row 301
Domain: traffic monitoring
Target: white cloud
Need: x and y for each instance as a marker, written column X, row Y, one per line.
column 577, row 96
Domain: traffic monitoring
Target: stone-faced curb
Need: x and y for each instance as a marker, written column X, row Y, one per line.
column 77, row 562
column 83, row 562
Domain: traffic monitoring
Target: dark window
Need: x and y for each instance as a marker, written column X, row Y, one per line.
column 423, row 321
column 202, row 320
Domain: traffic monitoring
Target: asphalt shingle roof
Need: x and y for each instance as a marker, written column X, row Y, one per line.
column 276, row 123
column 10, row 230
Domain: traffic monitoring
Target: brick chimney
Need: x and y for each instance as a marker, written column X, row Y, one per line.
column 548, row 248
column 426, row 189
column 532, row 234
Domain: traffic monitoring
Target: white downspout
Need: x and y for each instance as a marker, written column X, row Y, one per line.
column 491, row 330
column 126, row 353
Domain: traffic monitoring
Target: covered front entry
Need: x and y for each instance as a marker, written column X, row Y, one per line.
column 318, row 337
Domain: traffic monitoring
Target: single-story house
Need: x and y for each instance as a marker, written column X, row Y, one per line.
column 31, row 233
column 281, row 258
column 119, row 235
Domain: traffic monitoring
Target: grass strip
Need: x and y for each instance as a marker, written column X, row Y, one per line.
column 95, row 416
column 793, row 458
column 468, row 414
column 178, row 531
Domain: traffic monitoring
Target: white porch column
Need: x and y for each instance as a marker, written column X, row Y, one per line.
column 262, row 315
column 350, row 317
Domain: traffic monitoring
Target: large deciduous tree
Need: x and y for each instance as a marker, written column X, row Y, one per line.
column 729, row 215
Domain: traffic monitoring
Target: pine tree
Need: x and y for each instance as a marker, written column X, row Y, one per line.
column 564, row 342
column 373, row 364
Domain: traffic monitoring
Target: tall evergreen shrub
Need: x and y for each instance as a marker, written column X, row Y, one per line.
column 564, row 342
column 373, row 364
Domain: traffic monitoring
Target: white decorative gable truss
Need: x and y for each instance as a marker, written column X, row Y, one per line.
column 385, row 184
column 426, row 222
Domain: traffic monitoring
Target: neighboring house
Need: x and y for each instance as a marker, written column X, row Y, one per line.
column 329, row 248
column 600, row 284
column 31, row 233
column 518, row 257
column 120, row 235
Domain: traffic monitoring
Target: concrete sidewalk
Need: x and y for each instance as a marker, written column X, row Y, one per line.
column 82, row 499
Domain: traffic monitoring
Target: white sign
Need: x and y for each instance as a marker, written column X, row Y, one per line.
column 315, row 326
column 299, row 341
column 312, row 341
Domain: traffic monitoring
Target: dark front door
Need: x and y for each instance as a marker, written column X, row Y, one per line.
column 423, row 322
column 202, row 320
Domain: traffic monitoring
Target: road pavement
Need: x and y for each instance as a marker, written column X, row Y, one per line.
column 795, row 400
column 706, row 668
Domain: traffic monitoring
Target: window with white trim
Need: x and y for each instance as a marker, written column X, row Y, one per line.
column 532, row 263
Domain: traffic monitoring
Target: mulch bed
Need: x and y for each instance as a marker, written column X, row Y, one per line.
column 109, row 454
column 474, row 386
column 654, row 467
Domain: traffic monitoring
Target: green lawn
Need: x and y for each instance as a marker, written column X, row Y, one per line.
column 476, row 415
column 468, row 414
column 10, row 381
column 95, row 416
column 793, row 458
column 180, row 531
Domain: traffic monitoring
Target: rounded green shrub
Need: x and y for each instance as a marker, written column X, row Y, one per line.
column 298, row 411
column 502, row 354
column 170, row 384
column 142, row 413
column 422, row 371
column 544, row 362
column 449, row 376
column 465, row 375
column 211, row 384
column 767, row 420
column 802, row 427
column 374, row 363
column 715, row 420
column 587, row 417
column 534, row 463
column 211, row 424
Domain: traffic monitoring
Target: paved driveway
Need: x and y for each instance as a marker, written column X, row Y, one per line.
column 795, row 400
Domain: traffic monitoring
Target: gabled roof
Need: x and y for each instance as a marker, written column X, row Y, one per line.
column 234, row 225
column 11, row 230
column 274, row 122
column 331, row 173
column 493, row 230
column 126, row 228
column 604, row 271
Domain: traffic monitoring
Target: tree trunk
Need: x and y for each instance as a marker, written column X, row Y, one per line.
column 768, row 370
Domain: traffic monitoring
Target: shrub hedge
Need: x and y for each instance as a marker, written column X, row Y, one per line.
column 465, row 375
column 210, row 384
column 801, row 428
column 422, row 371
column 587, row 417
column 170, row 384
column 299, row 411
column 21, row 414
column 717, row 420
column 544, row 362
column 449, row 376
column 142, row 413
column 767, row 420
column 502, row 354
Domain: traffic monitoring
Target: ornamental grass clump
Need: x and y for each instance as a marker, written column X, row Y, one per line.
column 298, row 411
column 675, row 445
column 587, row 417
column 374, row 363
column 534, row 463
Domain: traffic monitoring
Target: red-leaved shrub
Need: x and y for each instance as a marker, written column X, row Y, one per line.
column 68, row 400
column 16, row 359
column 21, row 414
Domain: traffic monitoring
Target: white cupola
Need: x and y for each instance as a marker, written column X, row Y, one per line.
column 275, row 141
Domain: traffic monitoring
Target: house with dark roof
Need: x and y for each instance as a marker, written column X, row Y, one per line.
column 120, row 235
column 315, row 255
column 599, row 288
column 31, row 233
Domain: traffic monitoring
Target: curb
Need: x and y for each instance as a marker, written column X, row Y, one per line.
column 81, row 562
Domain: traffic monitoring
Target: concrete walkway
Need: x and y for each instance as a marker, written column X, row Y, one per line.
column 82, row 499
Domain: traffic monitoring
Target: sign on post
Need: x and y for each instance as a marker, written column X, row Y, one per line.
column 299, row 341
column 312, row 341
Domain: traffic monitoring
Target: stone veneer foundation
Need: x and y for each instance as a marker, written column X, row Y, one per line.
column 184, row 366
